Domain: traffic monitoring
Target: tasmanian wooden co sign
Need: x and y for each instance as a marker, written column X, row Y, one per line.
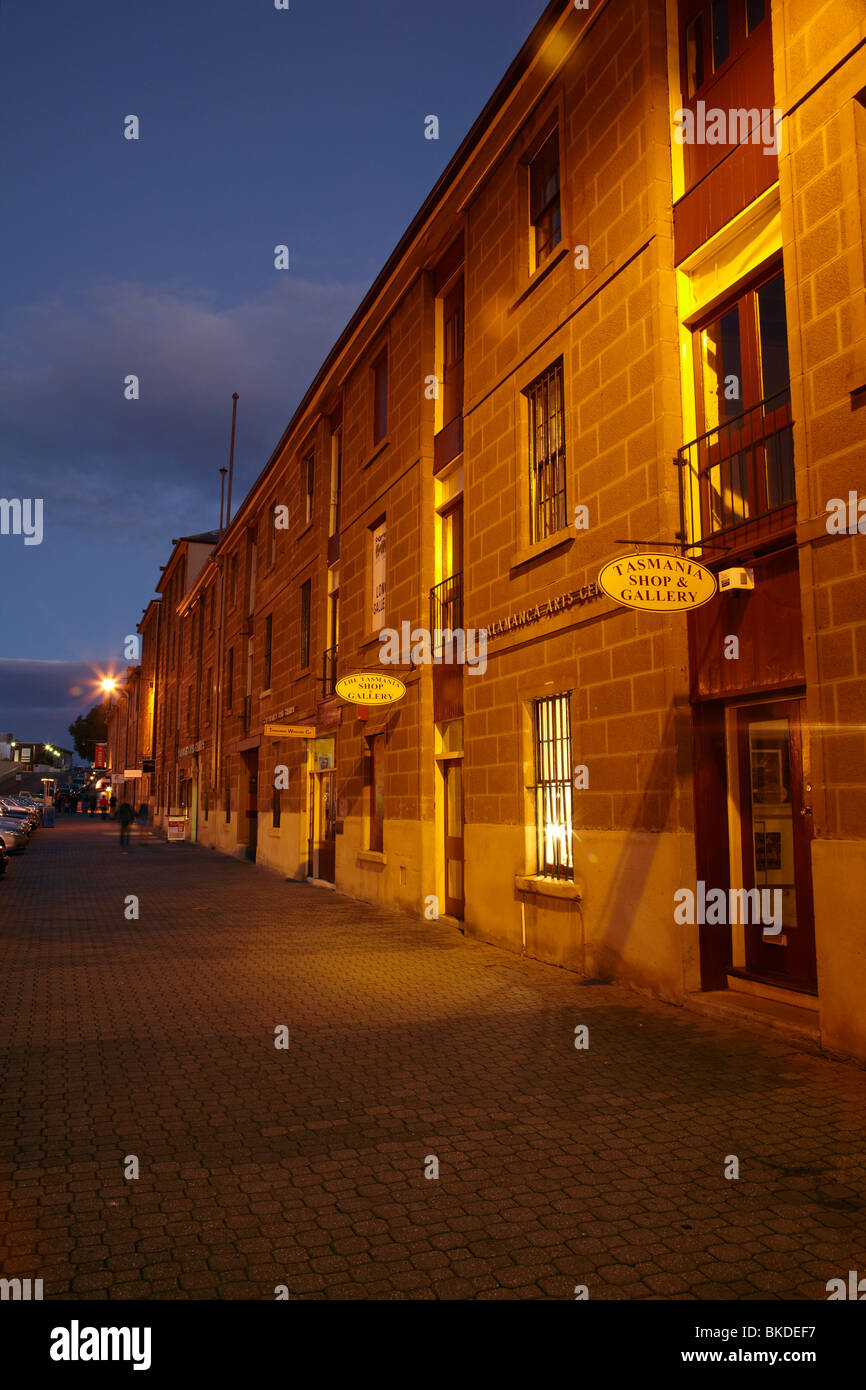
column 370, row 688
column 658, row 582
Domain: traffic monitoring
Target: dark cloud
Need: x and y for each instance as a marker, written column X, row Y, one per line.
column 37, row 703
column 69, row 432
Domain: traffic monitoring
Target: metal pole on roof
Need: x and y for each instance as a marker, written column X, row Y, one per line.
column 232, row 456
column 223, row 472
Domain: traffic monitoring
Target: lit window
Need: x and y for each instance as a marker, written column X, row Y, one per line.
column 553, row 786
column 309, row 469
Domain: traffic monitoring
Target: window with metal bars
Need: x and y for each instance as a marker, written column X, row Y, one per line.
column 553, row 786
column 547, row 501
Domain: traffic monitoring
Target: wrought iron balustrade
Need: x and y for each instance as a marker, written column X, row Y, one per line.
column 737, row 480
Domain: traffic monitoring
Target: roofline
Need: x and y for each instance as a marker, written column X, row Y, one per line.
column 518, row 68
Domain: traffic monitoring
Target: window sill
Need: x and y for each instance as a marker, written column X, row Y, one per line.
column 565, row 536
column 369, row 638
column 307, row 526
column 541, row 274
column 570, row 891
column 371, row 856
column 376, row 450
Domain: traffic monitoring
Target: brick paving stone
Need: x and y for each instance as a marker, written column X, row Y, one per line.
column 306, row 1167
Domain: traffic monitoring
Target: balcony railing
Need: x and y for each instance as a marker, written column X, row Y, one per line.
column 737, row 481
column 329, row 671
column 446, row 607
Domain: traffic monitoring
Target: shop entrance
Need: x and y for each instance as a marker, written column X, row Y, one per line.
column 776, row 820
column 322, row 831
column 452, row 773
column 753, row 822
column 249, row 810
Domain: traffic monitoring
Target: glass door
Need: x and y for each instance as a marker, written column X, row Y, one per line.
column 776, row 843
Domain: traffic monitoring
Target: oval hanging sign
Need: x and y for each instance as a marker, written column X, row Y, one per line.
column 370, row 688
column 668, row 583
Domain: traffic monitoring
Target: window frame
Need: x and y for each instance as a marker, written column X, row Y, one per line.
column 555, row 499
column 552, row 744
column 306, row 599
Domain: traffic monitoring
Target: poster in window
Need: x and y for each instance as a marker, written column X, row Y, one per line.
column 378, row 595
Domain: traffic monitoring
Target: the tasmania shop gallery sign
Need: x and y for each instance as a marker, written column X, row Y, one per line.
column 658, row 582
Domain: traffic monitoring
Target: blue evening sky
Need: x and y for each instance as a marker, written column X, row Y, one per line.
column 258, row 126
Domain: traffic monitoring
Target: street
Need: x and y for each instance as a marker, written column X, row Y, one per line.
column 304, row 1165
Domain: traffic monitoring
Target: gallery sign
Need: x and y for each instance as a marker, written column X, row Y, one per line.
column 659, row 583
column 370, row 688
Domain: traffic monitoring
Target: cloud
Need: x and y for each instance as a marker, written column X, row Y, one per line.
column 37, row 702
column 149, row 467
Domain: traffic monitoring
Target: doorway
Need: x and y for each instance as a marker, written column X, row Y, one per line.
column 322, row 825
column 776, row 821
column 452, row 774
column 249, row 801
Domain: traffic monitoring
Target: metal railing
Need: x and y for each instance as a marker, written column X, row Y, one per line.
column 329, row 671
column 446, row 607
column 740, row 475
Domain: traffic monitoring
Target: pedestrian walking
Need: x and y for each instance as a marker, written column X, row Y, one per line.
column 126, row 816
column 112, row 804
column 103, row 805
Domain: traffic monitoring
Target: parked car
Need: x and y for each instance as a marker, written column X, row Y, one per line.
column 12, row 838
column 4, row 860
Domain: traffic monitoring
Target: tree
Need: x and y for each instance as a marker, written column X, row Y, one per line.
column 90, row 728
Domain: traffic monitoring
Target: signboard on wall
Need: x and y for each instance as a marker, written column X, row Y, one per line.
column 380, row 542
column 658, row 583
column 290, row 731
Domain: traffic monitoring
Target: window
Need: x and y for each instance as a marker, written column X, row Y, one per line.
column 210, row 608
column 227, row 792
column 376, row 789
column 547, row 502
column 336, row 482
column 269, row 632
column 712, row 31
column 742, row 463
column 380, row 398
column 272, row 542
column 275, row 808
column 544, row 209
column 230, row 677
column 721, row 34
column 309, row 480
column 233, row 578
column 553, row 786
column 379, row 546
column 754, row 14
column 306, row 594
column 208, row 692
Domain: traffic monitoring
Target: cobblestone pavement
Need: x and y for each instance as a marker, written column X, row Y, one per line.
column 306, row 1166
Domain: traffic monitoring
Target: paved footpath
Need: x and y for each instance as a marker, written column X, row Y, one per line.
column 306, row 1166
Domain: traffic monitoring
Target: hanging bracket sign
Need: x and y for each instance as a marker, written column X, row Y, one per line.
column 370, row 688
column 658, row 583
